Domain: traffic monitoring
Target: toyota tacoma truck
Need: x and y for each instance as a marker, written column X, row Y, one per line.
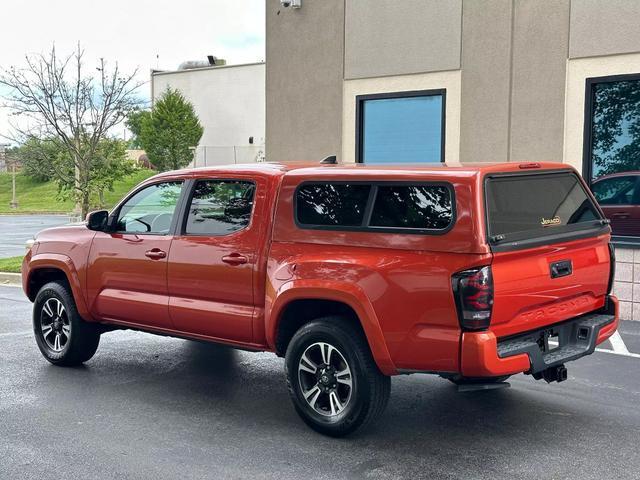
column 352, row 273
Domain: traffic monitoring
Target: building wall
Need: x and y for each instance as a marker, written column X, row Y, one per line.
column 388, row 37
column 486, row 80
column 539, row 60
column 627, row 284
column 229, row 101
column 305, row 54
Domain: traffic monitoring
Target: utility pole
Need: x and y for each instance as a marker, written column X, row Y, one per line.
column 3, row 155
column 14, row 200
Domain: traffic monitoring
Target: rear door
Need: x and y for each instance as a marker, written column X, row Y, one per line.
column 213, row 258
column 619, row 198
column 551, row 249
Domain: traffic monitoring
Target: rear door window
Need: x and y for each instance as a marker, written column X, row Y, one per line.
column 526, row 206
column 219, row 207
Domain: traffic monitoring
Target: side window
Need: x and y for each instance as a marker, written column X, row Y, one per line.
column 412, row 206
column 220, row 207
column 150, row 210
column 615, row 191
column 401, row 207
column 332, row 204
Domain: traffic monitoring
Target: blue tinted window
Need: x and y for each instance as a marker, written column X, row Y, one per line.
column 402, row 130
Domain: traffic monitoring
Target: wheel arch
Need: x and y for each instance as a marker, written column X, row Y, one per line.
column 298, row 303
column 43, row 269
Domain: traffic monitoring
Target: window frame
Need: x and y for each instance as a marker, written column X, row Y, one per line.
column 184, row 213
column 589, row 101
column 587, row 139
column 361, row 99
column 368, row 210
column 115, row 213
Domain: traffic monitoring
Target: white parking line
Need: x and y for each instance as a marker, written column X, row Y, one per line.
column 618, row 344
column 627, row 354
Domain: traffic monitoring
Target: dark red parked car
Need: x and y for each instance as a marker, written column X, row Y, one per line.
column 619, row 196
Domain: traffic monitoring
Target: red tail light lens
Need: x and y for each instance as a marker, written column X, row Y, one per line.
column 473, row 291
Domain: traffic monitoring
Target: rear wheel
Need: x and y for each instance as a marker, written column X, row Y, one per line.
column 62, row 336
column 333, row 381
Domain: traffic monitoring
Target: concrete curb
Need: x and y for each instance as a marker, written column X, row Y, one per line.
column 14, row 279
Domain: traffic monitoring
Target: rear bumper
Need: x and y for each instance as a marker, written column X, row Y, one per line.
column 484, row 355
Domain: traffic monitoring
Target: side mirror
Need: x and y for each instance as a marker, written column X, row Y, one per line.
column 97, row 220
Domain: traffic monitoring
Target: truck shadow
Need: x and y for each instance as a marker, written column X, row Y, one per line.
column 426, row 415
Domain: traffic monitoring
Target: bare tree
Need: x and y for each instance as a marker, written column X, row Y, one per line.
column 54, row 99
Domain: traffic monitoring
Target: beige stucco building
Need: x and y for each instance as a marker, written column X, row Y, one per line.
column 483, row 80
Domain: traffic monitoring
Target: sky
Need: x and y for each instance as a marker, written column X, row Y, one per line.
column 141, row 34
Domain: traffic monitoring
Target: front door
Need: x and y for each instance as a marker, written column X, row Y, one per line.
column 127, row 268
column 212, row 260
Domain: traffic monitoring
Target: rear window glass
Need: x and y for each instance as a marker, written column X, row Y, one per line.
column 537, row 204
column 332, row 204
column 412, row 206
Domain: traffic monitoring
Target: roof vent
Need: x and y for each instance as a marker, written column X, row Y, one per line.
column 330, row 160
column 211, row 61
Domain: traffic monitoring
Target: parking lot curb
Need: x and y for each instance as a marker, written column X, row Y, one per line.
column 14, row 279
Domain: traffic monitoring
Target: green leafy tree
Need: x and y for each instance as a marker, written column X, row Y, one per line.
column 45, row 160
column 134, row 123
column 169, row 132
column 37, row 157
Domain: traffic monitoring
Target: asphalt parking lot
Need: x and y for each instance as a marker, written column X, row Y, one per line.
column 15, row 230
column 161, row 408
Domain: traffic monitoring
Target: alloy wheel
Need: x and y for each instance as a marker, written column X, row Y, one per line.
column 55, row 324
column 325, row 379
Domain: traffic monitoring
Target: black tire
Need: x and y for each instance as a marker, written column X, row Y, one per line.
column 460, row 380
column 369, row 390
column 71, row 341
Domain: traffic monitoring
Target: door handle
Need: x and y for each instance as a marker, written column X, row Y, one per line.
column 561, row 269
column 155, row 254
column 620, row 215
column 235, row 259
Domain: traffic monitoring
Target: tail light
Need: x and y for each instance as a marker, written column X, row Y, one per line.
column 473, row 292
column 612, row 268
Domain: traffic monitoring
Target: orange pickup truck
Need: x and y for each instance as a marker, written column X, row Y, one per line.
column 352, row 273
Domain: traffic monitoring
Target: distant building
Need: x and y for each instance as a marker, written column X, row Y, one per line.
column 230, row 102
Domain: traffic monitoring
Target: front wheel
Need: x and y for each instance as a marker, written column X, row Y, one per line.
column 333, row 381
column 63, row 337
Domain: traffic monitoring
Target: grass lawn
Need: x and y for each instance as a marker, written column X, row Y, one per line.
column 42, row 197
column 11, row 264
